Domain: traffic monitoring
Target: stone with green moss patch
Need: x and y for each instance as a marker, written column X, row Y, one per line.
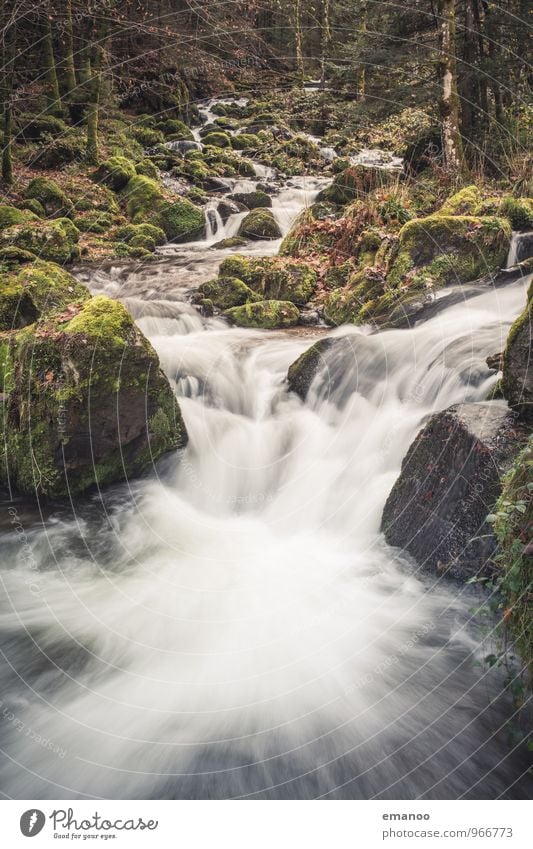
column 517, row 376
column 115, row 172
column 10, row 215
column 226, row 292
column 259, row 224
column 273, row 278
column 252, row 200
column 30, row 290
column 51, row 197
column 217, row 139
column 464, row 202
column 55, row 240
column 266, row 315
column 86, row 402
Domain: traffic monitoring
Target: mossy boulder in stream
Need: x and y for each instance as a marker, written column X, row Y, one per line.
column 444, row 249
column 517, row 376
column 226, row 292
column 274, row 278
column 55, row 240
column 251, row 200
column 267, row 315
column 260, row 224
column 85, row 401
column 217, row 139
column 180, row 220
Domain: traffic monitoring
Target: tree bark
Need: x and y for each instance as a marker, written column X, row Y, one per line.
column 8, row 67
column 94, row 85
column 53, row 95
column 70, row 70
column 300, row 71
column 361, row 70
column 449, row 102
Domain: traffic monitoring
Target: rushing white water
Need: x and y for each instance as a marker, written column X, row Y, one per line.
column 233, row 625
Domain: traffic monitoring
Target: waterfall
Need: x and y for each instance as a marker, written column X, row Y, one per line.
column 233, row 625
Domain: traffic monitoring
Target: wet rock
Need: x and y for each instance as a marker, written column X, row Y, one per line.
column 84, row 402
column 450, row 480
column 226, row 208
column 260, row 224
column 304, row 370
column 252, row 200
column 268, row 315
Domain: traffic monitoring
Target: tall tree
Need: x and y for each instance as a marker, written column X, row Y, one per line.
column 53, row 95
column 452, row 145
column 300, row 71
column 8, row 35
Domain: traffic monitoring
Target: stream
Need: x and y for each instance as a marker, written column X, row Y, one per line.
column 233, row 625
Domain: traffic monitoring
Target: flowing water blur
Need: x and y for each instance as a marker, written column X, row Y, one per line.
column 233, row 624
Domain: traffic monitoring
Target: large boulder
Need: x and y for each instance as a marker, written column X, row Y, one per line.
column 267, row 315
column 180, row 220
column 356, row 182
column 273, row 278
column 442, row 249
column 51, row 196
column 226, row 292
column 252, row 200
column 31, row 289
column 55, row 240
column 260, row 224
column 115, row 172
column 84, row 401
column 450, row 479
column 10, row 215
column 517, row 375
column 303, row 371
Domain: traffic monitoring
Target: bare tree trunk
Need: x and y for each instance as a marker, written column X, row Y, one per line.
column 361, row 70
column 70, row 70
column 8, row 72
column 325, row 42
column 449, row 103
column 298, row 42
column 54, row 98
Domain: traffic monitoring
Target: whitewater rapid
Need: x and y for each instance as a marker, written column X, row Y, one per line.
column 233, row 625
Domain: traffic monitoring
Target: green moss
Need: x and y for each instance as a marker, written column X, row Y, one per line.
column 465, row 202
column 127, row 232
column 87, row 402
column 259, row 224
column 51, row 197
column 217, row 139
column 449, row 249
column 146, row 168
column 226, row 292
column 54, row 240
column 519, row 211
column 274, row 278
column 176, row 129
column 355, row 182
column 61, row 151
column 517, row 373
column 34, row 206
column 245, row 141
column 181, row 221
column 10, row 215
column 115, row 172
column 143, row 198
column 252, row 200
column 94, row 222
column 146, row 136
column 513, row 526
column 267, row 315
column 32, row 290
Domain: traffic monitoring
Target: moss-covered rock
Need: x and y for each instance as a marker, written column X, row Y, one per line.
column 218, row 139
column 147, row 136
column 342, row 306
column 226, row 292
column 94, row 222
column 147, row 169
column 303, row 371
column 517, row 376
column 29, row 290
column 127, row 232
column 61, row 151
column 519, row 211
column 182, row 221
column 10, row 215
column 32, row 128
column 85, row 402
column 465, row 202
column 252, row 200
column 444, row 249
column 175, row 128
column 267, row 315
column 143, row 197
column 274, row 278
column 246, row 141
column 55, row 240
column 51, row 197
column 355, row 182
column 32, row 205
column 260, row 224
column 115, row 172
